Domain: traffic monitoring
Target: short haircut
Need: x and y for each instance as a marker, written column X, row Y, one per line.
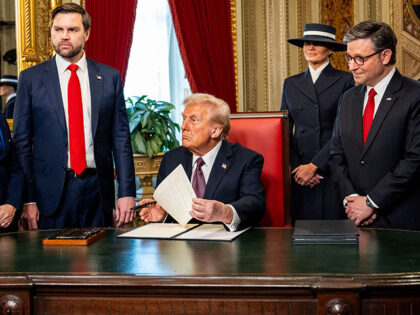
column 219, row 111
column 70, row 7
column 381, row 35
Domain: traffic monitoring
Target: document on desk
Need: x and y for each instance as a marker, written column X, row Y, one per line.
column 192, row 232
column 210, row 232
column 175, row 194
column 158, row 230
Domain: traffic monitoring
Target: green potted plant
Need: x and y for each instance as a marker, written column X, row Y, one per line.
column 152, row 130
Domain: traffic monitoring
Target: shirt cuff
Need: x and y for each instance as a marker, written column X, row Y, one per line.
column 345, row 201
column 29, row 203
column 233, row 226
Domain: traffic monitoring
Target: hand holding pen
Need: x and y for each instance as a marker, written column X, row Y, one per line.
column 151, row 211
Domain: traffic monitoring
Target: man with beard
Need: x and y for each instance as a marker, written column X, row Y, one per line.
column 70, row 129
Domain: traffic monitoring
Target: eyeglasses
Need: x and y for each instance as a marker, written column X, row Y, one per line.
column 360, row 60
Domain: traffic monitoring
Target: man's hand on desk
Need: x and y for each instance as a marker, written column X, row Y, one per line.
column 154, row 213
column 211, row 211
column 7, row 212
column 30, row 216
column 123, row 212
column 358, row 211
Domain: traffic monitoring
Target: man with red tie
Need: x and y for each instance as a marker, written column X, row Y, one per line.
column 375, row 148
column 225, row 176
column 70, row 129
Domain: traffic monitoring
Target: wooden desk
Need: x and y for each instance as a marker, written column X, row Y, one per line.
column 260, row 272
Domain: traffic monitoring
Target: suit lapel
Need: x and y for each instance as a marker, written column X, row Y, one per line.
column 96, row 86
column 357, row 114
column 4, row 135
column 327, row 78
column 220, row 167
column 52, row 86
column 387, row 101
column 187, row 163
column 305, row 85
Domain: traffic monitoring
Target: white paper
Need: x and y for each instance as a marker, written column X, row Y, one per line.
column 210, row 232
column 157, row 230
column 175, row 194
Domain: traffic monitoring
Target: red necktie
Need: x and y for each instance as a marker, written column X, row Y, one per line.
column 76, row 131
column 198, row 181
column 368, row 114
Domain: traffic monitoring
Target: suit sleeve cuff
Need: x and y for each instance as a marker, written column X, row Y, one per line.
column 372, row 202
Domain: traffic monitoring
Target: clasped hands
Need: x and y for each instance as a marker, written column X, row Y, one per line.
column 202, row 209
column 358, row 211
column 305, row 175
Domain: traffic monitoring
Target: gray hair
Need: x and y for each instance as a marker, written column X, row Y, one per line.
column 219, row 113
column 381, row 35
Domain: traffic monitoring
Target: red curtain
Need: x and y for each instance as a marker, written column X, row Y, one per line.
column 111, row 32
column 204, row 35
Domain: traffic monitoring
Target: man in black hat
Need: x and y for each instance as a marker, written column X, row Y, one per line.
column 311, row 99
column 8, row 84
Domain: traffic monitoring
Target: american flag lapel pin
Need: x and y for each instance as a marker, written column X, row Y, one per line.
column 224, row 165
column 389, row 98
column 98, row 77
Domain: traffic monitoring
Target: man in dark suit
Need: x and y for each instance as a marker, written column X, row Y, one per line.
column 11, row 180
column 231, row 190
column 375, row 148
column 70, row 128
column 8, row 85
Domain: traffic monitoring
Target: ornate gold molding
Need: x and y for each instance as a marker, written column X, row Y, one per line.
column 234, row 23
column 33, row 31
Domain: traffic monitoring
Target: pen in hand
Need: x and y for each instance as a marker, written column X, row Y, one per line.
column 147, row 204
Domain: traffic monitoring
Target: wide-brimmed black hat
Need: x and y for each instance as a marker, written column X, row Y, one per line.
column 9, row 80
column 319, row 33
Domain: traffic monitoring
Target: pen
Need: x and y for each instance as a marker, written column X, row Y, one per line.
column 144, row 206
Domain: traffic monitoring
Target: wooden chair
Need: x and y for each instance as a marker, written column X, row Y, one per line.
column 268, row 134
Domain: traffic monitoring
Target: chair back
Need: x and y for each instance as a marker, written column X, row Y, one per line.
column 268, row 134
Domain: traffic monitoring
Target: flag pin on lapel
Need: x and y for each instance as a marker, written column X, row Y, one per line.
column 98, row 77
column 389, row 98
column 224, row 165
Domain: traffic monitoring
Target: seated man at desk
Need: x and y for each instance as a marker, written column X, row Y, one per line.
column 225, row 176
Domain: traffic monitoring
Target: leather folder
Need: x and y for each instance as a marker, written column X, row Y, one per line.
column 325, row 232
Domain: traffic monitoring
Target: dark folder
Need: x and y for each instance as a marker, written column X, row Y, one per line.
column 325, row 232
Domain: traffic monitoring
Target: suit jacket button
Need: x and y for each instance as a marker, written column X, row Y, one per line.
column 362, row 162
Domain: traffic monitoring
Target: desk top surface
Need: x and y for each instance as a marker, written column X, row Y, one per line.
column 258, row 252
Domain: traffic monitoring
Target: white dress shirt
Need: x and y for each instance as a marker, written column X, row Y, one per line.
column 209, row 159
column 316, row 73
column 380, row 88
column 64, row 76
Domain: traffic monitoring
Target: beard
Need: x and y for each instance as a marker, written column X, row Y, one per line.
column 69, row 53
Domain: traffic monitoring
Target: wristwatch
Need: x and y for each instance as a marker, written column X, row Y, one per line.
column 370, row 204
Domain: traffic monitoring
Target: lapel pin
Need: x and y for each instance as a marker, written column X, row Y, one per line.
column 389, row 98
column 98, row 77
column 224, row 165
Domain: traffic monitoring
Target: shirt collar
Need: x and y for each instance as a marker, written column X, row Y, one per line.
column 63, row 64
column 210, row 156
column 316, row 73
column 10, row 96
column 381, row 86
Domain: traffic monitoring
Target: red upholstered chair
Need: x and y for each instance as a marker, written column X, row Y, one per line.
column 268, row 134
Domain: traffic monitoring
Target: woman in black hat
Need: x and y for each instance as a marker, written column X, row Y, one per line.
column 311, row 98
